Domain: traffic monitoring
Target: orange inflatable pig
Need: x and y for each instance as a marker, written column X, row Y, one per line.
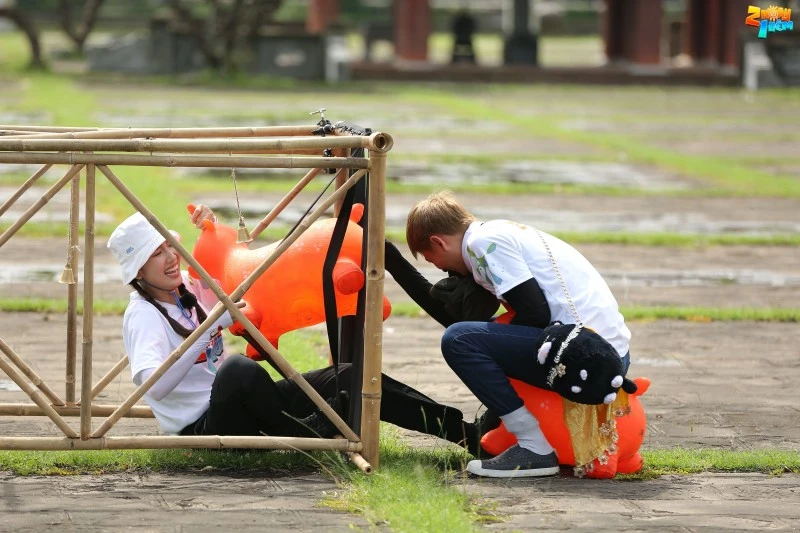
column 288, row 296
column 548, row 408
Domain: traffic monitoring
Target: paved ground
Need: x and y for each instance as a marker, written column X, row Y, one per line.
column 730, row 385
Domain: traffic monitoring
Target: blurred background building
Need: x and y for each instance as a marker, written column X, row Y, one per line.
column 585, row 41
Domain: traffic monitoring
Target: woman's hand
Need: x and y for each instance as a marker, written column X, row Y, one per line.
column 237, row 328
column 200, row 213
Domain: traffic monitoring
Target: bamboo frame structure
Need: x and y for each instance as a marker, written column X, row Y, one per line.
column 89, row 150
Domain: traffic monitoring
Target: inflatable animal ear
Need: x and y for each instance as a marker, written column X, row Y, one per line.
column 581, row 365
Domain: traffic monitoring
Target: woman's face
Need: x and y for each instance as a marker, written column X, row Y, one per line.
column 162, row 271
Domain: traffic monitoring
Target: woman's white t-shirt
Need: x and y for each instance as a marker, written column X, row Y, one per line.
column 501, row 254
column 149, row 340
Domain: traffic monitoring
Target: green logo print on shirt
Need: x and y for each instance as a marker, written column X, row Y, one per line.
column 481, row 266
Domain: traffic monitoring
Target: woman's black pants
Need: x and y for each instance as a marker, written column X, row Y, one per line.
column 246, row 401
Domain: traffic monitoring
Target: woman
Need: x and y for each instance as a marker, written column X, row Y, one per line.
column 206, row 391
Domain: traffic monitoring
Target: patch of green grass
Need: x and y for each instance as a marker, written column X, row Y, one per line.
column 59, row 306
column 407, row 493
column 305, row 350
column 690, row 314
column 678, row 239
column 712, row 314
column 735, row 178
column 696, row 461
column 684, row 240
column 45, row 463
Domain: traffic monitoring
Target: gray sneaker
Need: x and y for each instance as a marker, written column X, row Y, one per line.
column 516, row 462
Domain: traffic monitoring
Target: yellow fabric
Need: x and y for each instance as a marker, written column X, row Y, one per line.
column 592, row 428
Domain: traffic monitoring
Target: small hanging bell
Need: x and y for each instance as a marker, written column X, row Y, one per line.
column 242, row 235
column 67, row 275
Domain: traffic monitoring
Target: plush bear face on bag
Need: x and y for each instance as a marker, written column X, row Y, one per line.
column 581, row 365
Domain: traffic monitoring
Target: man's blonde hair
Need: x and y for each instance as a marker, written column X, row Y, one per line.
column 439, row 214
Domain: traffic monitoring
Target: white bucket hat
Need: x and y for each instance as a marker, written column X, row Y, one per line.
column 132, row 243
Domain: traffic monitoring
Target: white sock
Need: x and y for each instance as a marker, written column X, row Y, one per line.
column 526, row 428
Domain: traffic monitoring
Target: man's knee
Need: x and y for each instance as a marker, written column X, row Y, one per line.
column 452, row 342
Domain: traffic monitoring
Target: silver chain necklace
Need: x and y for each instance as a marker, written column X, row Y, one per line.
column 561, row 280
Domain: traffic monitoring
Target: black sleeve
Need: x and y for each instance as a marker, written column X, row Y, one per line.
column 415, row 284
column 529, row 304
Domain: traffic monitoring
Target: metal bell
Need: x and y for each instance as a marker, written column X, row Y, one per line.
column 67, row 276
column 242, row 235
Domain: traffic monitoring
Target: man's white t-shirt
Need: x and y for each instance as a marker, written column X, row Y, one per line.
column 501, row 254
column 149, row 340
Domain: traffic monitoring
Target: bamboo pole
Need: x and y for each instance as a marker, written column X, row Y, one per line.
column 358, row 460
column 37, row 396
column 88, row 305
column 22, row 409
column 341, row 177
column 30, row 374
column 39, row 204
column 284, row 144
column 373, row 325
column 110, row 376
column 286, row 200
column 72, row 293
column 24, row 187
column 17, row 133
column 44, row 128
column 183, row 160
column 227, row 302
column 177, row 441
column 173, row 133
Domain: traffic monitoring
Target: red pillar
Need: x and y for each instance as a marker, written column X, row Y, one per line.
column 694, row 29
column 412, row 27
column 734, row 12
column 644, row 45
column 713, row 30
column 320, row 15
column 632, row 31
column 613, row 37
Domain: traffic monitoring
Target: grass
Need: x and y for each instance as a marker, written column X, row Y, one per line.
column 682, row 461
column 736, row 179
column 412, row 310
column 689, row 314
column 59, row 306
column 407, row 493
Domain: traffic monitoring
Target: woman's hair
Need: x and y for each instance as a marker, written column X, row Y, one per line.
column 187, row 300
column 439, row 214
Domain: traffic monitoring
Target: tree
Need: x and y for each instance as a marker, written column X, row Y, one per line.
column 31, row 32
column 222, row 28
column 79, row 34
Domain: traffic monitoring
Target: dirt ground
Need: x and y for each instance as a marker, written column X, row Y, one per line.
column 729, row 385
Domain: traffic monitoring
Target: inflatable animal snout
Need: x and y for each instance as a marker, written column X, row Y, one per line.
column 288, row 296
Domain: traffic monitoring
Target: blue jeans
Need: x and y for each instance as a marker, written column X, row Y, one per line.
column 485, row 354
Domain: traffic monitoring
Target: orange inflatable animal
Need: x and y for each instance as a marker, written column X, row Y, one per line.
column 288, row 296
column 547, row 407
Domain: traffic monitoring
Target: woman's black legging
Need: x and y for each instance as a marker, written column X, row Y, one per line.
column 246, row 401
